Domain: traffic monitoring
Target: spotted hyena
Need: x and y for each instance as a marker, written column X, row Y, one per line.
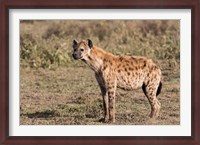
column 125, row 72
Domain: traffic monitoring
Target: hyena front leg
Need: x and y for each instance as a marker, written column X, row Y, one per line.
column 111, row 87
column 104, row 93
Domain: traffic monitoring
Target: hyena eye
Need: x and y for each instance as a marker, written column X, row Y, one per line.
column 82, row 49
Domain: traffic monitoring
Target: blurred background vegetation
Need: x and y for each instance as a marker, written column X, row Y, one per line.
column 47, row 44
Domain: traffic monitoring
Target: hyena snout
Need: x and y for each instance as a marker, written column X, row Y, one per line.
column 77, row 55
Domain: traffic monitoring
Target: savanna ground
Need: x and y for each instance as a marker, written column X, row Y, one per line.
column 55, row 89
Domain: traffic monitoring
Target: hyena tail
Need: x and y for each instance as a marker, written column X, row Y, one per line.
column 159, row 89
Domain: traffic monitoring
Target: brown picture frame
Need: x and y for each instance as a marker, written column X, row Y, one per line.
column 6, row 5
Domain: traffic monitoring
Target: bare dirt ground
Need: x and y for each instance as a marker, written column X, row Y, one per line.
column 70, row 95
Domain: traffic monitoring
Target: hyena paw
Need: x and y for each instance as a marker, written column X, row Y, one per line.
column 111, row 121
column 105, row 120
column 102, row 120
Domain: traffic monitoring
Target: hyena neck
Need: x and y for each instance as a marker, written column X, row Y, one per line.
column 95, row 59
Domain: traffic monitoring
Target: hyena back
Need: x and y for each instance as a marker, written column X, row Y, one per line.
column 125, row 72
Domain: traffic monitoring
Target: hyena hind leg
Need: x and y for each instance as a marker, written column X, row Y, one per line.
column 155, row 108
column 150, row 93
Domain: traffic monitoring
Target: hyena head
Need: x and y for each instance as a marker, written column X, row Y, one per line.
column 81, row 50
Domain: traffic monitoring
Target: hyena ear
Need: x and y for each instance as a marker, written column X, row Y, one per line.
column 75, row 43
column 90, row 44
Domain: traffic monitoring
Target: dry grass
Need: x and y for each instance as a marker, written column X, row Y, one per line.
column 55, row 89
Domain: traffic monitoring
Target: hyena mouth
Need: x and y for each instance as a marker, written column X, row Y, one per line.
column 75, row 57
column 80, row 58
